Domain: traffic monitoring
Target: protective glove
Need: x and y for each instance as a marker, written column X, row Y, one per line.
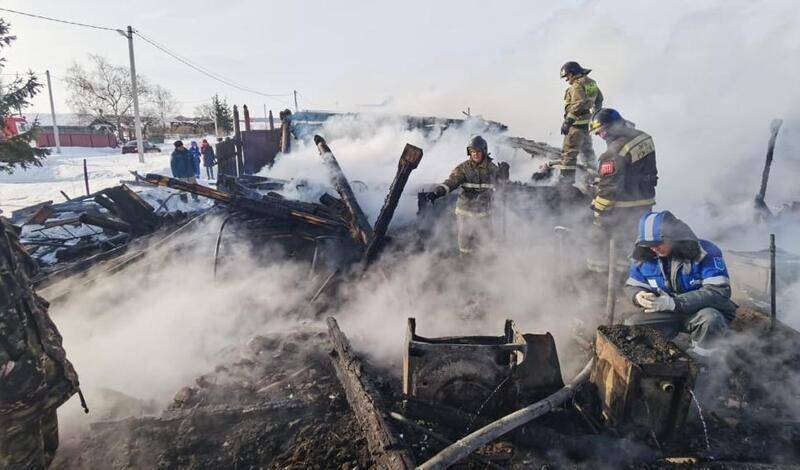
column 662, row 303
column 431, row 196
column 543, row 172
column 567, row 124
column 645, row 298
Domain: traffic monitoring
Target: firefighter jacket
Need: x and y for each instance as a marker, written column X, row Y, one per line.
column 694, row 273
column 36, row 373
column 477, row 182
column 581, row 100
column 627, row 171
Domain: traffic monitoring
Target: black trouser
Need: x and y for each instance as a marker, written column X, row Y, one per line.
column 703, row 326
column 210, row 172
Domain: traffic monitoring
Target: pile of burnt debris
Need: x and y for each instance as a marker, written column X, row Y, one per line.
column 306, row 399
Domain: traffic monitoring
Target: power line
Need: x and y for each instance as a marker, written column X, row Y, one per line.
column 207, row 72
column 58, row 20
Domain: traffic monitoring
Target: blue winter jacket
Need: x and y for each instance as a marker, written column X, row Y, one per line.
column 694, row 274
column 195, row 151
column 181, row 164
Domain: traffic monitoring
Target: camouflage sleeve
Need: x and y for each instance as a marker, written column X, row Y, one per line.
column 455, row 180
column 577, row 103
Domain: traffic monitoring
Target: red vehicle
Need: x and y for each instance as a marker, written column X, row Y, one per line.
column 15, row 125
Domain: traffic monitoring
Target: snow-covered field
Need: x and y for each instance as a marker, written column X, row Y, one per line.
column 106, row 167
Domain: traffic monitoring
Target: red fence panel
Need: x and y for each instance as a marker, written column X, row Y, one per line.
column 76, row 139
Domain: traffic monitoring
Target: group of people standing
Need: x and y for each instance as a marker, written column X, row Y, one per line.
column 185, row 162
column 679, row 282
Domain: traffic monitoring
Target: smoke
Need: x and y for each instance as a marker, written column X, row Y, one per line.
column 704, row 79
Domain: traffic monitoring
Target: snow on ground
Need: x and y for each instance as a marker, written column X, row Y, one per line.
column 106, row 167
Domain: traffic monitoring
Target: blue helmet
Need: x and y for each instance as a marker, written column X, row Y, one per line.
column 655, row 227
column 603, row 118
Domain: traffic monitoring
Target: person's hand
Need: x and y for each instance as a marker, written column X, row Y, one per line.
column 431, row 196
column 661, row 303
column 645, row 299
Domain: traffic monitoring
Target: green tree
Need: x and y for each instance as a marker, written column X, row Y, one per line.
column 16, row 150
column 223, row 114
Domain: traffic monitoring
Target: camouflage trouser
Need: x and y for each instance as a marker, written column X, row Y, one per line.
column 577, row 141
column 473, row 231
column 29, row 444
column 623, row 225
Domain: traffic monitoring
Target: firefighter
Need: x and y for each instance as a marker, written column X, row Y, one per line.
column 476, row 177
column 626, row 186
column 694, row 298
column 581, row 100
column 35, row 375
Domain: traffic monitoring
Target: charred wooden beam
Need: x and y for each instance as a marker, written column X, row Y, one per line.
column 271, row 121
column 366, row 403
column 41, row 215
column 107, row 203
column 286, row 135
column 360, row 228
column 409, row 160
column 105, row 222
column 133, row 209
column 270, row 207
column 237, row 141
column 246, row 112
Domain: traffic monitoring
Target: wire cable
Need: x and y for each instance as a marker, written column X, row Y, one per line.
column 74, row 23
column 207, row 72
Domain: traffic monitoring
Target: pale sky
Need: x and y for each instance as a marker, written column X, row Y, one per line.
column 658, row 61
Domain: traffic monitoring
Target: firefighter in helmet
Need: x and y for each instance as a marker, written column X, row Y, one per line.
column 477, row 177
column 582, row 99
column 626, row 186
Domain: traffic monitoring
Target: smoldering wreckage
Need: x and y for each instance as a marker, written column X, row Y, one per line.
column 304, row 397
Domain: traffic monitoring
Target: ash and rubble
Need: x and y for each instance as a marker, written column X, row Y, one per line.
column 277, row 401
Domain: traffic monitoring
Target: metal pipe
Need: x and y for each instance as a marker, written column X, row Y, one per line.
column 438, row 437
column 219, row 239
column 465, row 446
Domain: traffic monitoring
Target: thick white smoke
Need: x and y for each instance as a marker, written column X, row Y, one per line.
column 704, row 79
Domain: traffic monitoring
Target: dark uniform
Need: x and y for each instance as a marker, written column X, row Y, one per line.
column 35, row 375
column 626, row 190
column 474, row 206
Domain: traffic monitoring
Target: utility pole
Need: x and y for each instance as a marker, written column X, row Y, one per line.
column 134, row 88
column 53, row 113
column 295, row 102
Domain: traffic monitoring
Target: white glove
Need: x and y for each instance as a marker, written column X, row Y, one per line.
column 645, row 298
column 6, row 369
column 662, row 303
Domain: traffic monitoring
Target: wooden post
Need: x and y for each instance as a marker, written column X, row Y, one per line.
column 367, row 405
column 409, row 160
column 237, row 141
column 773, row 308
column 246, row 117
column 86, row 177
column 271, row 121
column 611, row 296
column 359, row 225
column 286, row 137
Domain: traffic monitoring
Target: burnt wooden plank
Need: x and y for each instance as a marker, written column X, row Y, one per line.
column 359, row 227
column 365, row 401
column 409, row 160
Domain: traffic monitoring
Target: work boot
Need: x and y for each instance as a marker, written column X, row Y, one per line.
column 566, row 178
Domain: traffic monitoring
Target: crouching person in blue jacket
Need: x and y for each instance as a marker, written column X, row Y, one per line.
column 680, row 281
